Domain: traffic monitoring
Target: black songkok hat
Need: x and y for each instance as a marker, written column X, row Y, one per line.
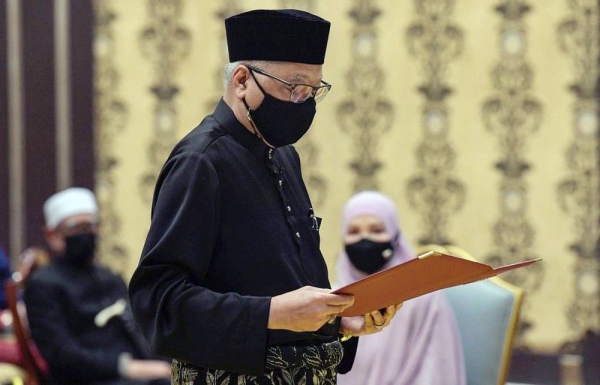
column 277, row 35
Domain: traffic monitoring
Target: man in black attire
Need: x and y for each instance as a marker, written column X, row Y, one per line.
column 78, row 311
column 231, row 282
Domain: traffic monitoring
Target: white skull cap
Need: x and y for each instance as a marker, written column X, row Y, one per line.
column 69, row 202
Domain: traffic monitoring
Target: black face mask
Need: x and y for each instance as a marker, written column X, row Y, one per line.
column 80, row 249
column 281, row 123
column 368, row 256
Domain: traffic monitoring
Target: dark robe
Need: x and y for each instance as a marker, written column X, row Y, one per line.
column 232, row 226
column 62, row 301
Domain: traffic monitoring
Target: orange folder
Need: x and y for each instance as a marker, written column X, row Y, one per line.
column 427, row 273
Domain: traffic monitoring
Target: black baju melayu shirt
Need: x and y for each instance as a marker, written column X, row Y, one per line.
column 232, row 226
column 62, row 302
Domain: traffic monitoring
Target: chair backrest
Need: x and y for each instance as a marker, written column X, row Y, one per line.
column 29, row 261
column 487, row 314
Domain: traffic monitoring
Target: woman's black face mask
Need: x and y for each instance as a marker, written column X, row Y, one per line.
column 369, row 256
column 280, row 123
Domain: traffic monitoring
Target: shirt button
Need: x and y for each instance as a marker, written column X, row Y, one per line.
column 270, row 153
column 289, row 208
column 280, row 183
column 297, row 234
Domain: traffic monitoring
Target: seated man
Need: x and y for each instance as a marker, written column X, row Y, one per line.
column 78, row 310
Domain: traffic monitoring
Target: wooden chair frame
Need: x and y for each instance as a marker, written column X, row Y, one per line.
column 30, row 259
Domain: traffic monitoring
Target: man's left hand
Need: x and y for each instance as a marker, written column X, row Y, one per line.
column 370, row 323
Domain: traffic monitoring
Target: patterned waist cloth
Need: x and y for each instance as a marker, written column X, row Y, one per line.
column 286, row 365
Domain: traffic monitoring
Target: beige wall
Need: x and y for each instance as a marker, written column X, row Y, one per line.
column 377, row 54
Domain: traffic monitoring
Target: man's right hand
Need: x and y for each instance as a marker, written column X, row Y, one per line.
column 306, row 309
column 147, row 369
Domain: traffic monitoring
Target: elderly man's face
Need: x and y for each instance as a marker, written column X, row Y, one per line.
column 295, row 73
column 73, row 225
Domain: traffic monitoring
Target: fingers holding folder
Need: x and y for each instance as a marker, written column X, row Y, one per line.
column 369, row 323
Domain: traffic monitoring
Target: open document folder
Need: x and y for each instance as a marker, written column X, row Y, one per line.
column 429, row 272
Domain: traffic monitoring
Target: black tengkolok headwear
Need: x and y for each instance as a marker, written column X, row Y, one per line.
column 287, row 35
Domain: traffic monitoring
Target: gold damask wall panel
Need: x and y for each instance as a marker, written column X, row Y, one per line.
column 419, row 90
column 127, row 145
column 546, row 153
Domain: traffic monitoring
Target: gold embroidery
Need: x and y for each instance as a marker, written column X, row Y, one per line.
column 217, row 377
column 308, row 365
column 182, row 374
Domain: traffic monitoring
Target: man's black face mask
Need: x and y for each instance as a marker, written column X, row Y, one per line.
column 80, row 249
column 281, row 123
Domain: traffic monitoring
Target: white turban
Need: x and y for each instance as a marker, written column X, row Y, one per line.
column 69, row 202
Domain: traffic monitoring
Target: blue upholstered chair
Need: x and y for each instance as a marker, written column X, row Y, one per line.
column 487, row 314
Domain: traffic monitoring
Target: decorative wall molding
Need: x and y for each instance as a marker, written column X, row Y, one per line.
column 165, row 42
column 578, row 193
column 110, row 116
column 15, row 129
column 62, row 92
column 435, row 41
column 365, row 114
column 512, row 114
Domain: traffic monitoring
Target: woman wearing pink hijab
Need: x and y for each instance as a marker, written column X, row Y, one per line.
column 422, row 344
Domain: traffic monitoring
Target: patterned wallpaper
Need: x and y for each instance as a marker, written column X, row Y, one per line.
column 435, row 40
column 365, row 115
column 513, row 114
column 579, row 38
column 478, row 118
column 165, row 42
column 110, row 119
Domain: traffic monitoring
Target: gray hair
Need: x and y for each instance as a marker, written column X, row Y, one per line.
column 229, row 67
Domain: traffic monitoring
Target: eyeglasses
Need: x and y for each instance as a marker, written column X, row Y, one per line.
column 299, row 92
column 75, row 228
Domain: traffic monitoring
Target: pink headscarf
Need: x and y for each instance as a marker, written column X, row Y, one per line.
column 422, row 344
